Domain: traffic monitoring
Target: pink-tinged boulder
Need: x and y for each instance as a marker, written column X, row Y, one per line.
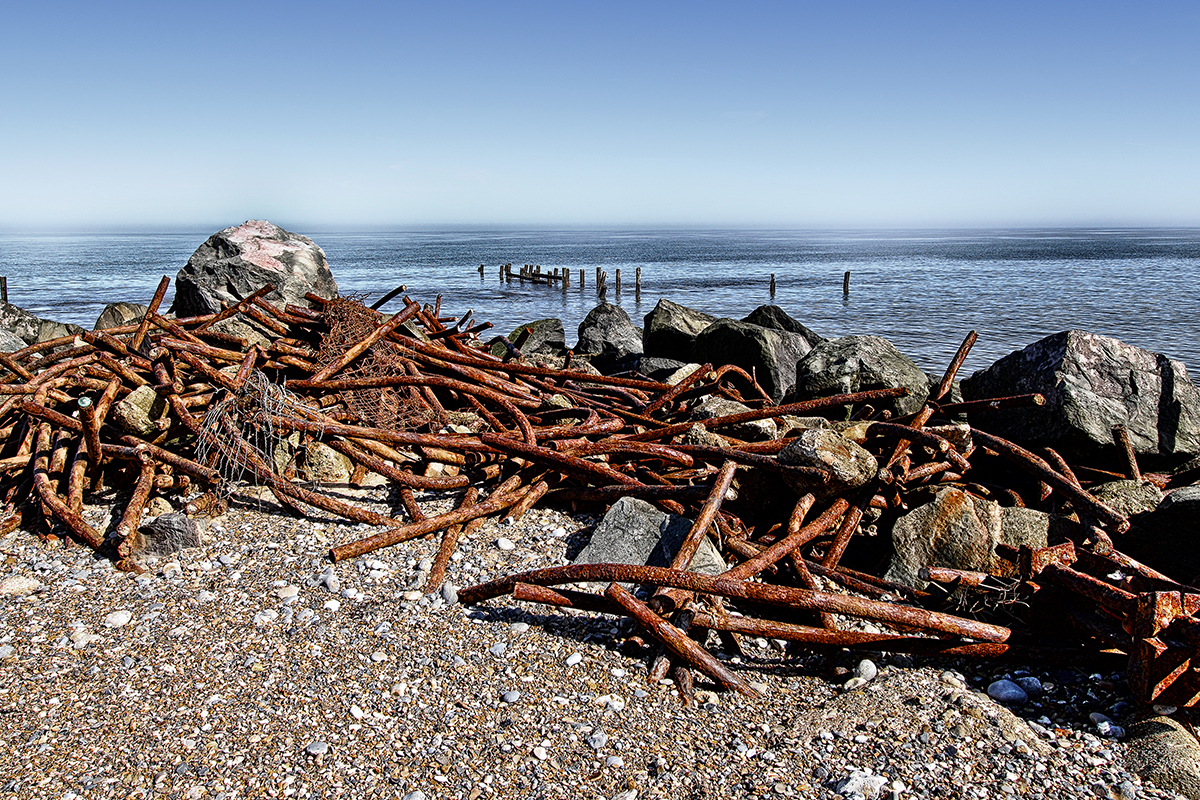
column 239, row 261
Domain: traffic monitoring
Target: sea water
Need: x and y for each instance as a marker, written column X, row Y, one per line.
column 923, row 290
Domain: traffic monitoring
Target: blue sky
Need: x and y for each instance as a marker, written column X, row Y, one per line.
column 798, row 114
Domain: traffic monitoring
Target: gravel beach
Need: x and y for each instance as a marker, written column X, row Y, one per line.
column 253, row 667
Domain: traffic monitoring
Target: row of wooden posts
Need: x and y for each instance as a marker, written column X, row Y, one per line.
column 533, row 273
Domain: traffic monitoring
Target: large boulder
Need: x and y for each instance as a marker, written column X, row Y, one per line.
column 10, row 342
column 115, row 315
column 1092, row 384
column 845, row 464
column 769, row 355
column 777, row 319
column 239, row 261
column 860, row 364
column 758, row 430
column 609, row 337
column 545, row 336
column 671, row 330
column 635, row 532
column 961, row 531
column 29, row 328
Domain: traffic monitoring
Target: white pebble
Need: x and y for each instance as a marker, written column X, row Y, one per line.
column 505, row 544
column 357, row 712
column 332, row 605
column 118, row 618
column 573, row 659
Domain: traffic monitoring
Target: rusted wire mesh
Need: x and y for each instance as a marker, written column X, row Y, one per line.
column 350, row 321
column 249, row 413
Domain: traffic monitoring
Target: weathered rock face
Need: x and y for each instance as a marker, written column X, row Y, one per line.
column 635, row 532
column 759, row 430
column 545, row 336
column 10, row 342
column 609, row 335
column 168, row 534
column 1162, row 750
column 847, row 465
column 115, row 315
column 860, row 364
column 770, row 355
column 1091, row 384
column 660, row 369
column 29, row 328
column 140, row 412
column 1167, row 538
column 240, row 260
column 1128, row 498
column 671, row 330
column 961, row 531
column 777, row 319
column 323, row 464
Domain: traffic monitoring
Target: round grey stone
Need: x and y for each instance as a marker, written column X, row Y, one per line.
column 1007, row 692
column 317, row 748
column 511, row 696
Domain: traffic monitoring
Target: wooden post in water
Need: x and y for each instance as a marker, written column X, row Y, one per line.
column 618, row 280
column 481, row 269
column 637, row 281
column 598, row 281
column 846, row 283
column 772, row 284
column 582, row 278
column 4, row 288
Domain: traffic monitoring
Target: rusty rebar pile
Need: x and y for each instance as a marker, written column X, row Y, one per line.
column 412, row 397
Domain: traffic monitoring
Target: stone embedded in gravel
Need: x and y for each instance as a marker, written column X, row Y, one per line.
column 597, row 740
column 540, row 753
column 317, row 748
column 573, row 659
column 285, row 592
column 519, row 627
column 505, row 544
column 866, row 670
column 1007, row 692
column 449, row 593
column 378, row 656
column 18, row 586
column 332, row 605
column 118, row 618
column 357, row 712
column 510, row 696
column 266, row 617
column 1111, row 730
column 1032, row 686
column 8, row 651
column 498, row 649
column 854, row 683
column 415, row 795
column 614, row 761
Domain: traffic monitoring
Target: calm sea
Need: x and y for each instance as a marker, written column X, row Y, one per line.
column 923, row 290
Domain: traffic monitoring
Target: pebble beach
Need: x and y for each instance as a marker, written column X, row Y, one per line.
column 254, row 667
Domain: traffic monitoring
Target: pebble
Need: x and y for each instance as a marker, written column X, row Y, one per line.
column 416, row 795
column 413, row 596
column 854, row 683
column 317, row 748
column 357, row 712
column 866, row 670
column 266, row 617
column 332, row 605
column 498, row 649
column 1031, row 685
column 1111, row 730
column 1164, row 711
column 1007, row 692
column 614, row 761
column 511, row 696
column 950, row 679
column 540, row 753
column 285, row 592
column 519, row 627
column 505, row 544
column 449, row 593
column 597, row 740
column 8, row 651
column 118, row 618
column 18, row 586
column 573, row 659
column 378, row 656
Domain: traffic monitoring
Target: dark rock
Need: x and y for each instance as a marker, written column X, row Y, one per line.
column 777, row 319
column 49, row 329
column 168, row 534
column 1091, row 384
column 846, row 464
column 240, row 260
column 1168, row 538
column 1163, row 751
column 769, row 355
column 961, row 531
column 635, row 532
column 545, row 336
column 609, row 337
column 659, row 369
column 759, row 430
column 860, row 364
column 671, row 330
column 115, row 315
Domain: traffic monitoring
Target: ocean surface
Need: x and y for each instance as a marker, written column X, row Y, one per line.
column 923, row 290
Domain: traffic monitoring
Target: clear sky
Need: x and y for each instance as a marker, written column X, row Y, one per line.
column 799, row 114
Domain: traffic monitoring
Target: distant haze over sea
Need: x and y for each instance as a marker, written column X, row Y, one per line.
column 921, row 289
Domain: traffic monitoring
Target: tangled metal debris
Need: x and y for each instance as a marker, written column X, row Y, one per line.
column 414, row 397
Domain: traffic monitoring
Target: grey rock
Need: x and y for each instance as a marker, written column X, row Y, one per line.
column 1091, row 384
column 1167, row 537
column 49, row 329
column 10, row 342
column 317, row 748
column 859, row 364
column 758, row 430
column 770, row 355
column 598, row 740
column 511, row 697
column 671, row 330
column 635, row 532
column 866, row 670
column 115, row 315
column 957, row 530
column 660, row 369
column 18, row 586
column 139, row 412
column 1007, row 692
column 777, row 319
column 1128, row 498
column 609, row 336
column 846, row 464
column 240, row 260
column 545, row 336
column 323, row 464
column 7, row 651
column 168, row 534
column 1031, row 685
column 449, row 593
column 19, row 322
